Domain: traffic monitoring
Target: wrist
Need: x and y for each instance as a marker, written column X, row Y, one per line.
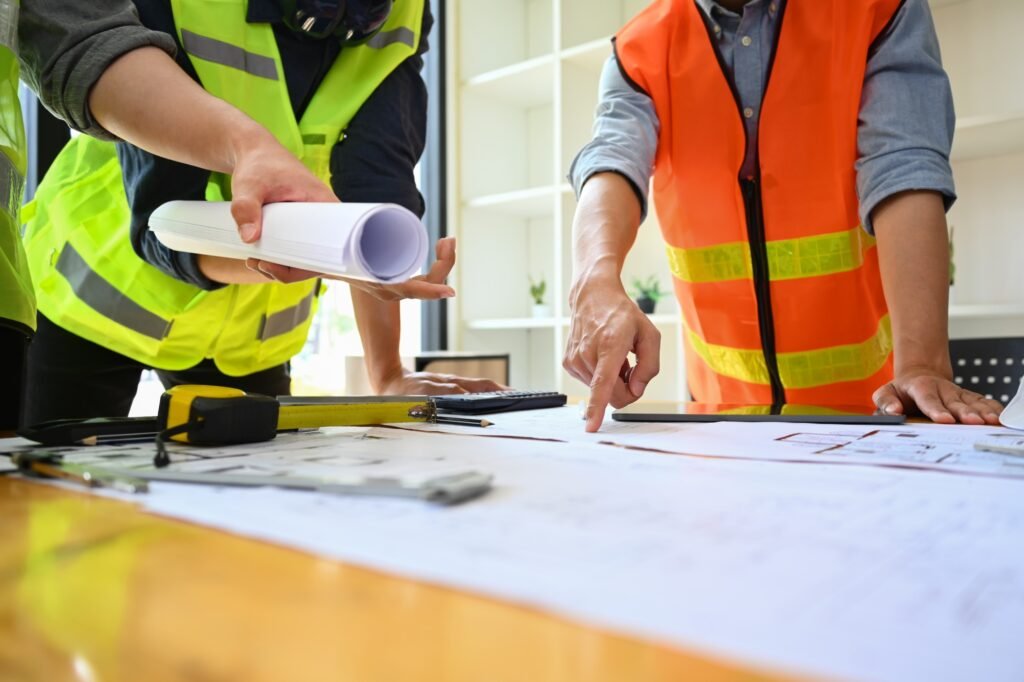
column 601, row 277
column 918, row 367
column 245, row 138
column 384, row 377
column 923, row 361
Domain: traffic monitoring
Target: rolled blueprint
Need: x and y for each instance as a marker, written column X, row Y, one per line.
column 376, row 242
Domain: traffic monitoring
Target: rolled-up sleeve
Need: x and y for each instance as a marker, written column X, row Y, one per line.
column 905, row 131
column 625, row 137
column 66, row 46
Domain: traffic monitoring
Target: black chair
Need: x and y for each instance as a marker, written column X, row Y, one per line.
column 992, row 367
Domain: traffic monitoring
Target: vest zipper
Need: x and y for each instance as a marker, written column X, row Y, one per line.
column 751, row 190
column 762, row 284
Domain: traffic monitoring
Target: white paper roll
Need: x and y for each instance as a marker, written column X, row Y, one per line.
column 376, row 242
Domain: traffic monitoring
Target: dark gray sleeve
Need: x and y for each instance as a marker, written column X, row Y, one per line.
column 66, row 46
column 625, row 136
column 149, row 182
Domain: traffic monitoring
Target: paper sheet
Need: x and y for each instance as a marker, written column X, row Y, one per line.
column 377, row 242
column 861, row 573
column 918, row 446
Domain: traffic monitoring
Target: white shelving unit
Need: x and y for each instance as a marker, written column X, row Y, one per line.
column 524, row 77
column 988, row 164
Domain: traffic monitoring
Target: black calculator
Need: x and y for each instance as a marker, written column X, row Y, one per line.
column 498, row 401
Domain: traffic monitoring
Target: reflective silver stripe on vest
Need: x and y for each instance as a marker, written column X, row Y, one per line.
column 226, row 54
column 11, row 185
column 399, row 35
column 283, row 321
column 314, row 138
column 104, row 298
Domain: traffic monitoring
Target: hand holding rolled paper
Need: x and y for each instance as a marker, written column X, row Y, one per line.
column 377, row 247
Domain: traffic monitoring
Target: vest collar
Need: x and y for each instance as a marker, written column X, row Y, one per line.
column 711, row 8
column 263, row 12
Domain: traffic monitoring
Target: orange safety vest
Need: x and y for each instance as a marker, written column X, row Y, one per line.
column 778, row 283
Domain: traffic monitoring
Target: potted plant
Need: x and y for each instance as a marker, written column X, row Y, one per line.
column 537, row 291
column 952, row 265
column 647, row 293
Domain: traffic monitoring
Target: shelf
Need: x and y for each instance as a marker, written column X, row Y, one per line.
column 513, row 323
column 526, row 323
column 591, row 55
column 957, row 312
column 985, row 136
column 985, row 310
column 534, row 202
column 525, row 84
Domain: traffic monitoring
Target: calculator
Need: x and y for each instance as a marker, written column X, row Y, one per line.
column 499, row 401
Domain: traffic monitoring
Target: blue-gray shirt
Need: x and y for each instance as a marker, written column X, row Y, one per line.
column 906, row 121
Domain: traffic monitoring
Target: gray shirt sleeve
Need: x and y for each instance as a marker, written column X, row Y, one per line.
column 905, row 130
column 66, row 46
column 625, row 136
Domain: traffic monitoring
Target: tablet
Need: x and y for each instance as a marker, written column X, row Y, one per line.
column 720, row 412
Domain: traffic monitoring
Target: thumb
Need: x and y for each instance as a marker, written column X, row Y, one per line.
column 648, row 359
column 887, row 400
column 445, row 249
column 247, row 210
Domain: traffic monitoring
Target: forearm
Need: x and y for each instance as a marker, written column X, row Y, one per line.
column 380, row 330
column 913, row 252
column 229, row 270
column 66, row 46
column 604, row 229
column 146, row 99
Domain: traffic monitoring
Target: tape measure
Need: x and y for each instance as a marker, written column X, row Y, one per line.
column 217, row 415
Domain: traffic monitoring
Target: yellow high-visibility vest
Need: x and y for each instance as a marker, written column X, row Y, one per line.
column 17, row 301
column 88, row 278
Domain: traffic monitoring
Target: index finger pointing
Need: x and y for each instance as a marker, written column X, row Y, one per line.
column 602, row 385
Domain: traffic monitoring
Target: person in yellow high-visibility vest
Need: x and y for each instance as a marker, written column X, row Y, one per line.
column 337, row 84
column 17, row 303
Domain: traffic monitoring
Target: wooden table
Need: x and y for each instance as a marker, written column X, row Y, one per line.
column 94, row 589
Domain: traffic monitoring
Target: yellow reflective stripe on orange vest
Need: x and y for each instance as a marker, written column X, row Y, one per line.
column 824, row 254
column 808, row 369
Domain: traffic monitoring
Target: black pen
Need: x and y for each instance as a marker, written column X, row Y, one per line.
column 461, row 421
column 116, row 440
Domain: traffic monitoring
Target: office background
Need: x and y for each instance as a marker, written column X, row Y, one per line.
column 522, row 85
column 513, row 87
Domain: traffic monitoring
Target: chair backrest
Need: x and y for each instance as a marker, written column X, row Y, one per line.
column 992, row 367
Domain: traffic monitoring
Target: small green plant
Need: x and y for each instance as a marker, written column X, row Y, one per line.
column 648, row 288
column 952, row 265
column 537, row 291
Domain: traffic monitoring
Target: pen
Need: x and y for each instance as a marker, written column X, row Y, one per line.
column 47, row 470
column 107, row 479
column 116, row 440
column 461, row 421
column 88, row 476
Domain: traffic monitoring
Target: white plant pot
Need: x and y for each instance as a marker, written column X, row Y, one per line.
column 541, row 310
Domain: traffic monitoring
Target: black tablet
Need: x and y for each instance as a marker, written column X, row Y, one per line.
column 715, row 412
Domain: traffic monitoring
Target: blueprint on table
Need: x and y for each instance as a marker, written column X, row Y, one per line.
column 850, row 572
